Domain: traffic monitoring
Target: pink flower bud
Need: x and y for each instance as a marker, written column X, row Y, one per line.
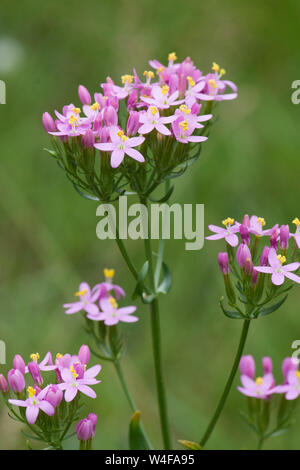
column 289, row 364
column 247, row 366
column 267, row 365
column 274, row 238
column 173, row 83
column 84, row 354
column 284, row 237
column 3, row 384
column 264, row 261
column 88, row 139
column 110, row 116
column 133, row 123
column 54, row 395
column 182, row 84
column 16, row 380
column 48, row 122
column 245, row 234
column 99, row 98
column 79, row 369
column 195, row 109
column 84, row 95
column 97, row 123
column 85, row 429
column 104, row 134
column 248, row 266
column 223, row 262
column 93, row 418
column 114, row 102
column 132, row 99
column 242, row 255
column 35, row 372
column 246, row 220
column 18, row 363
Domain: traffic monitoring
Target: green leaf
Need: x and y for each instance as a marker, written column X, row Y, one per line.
column 138, row 291
column 272, row 308
column 165, row 198
column 190, row 445
column 231, row 313
column 166, row 283
column 86, row 196
column 136, row 437
column 51, row 152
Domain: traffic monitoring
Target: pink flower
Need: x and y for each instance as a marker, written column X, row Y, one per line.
column 85, row 428
column 262, row 387
column 183, row 130
column 292, row 387
column 194, row 92
column 34, row 404
column 16, row 380
column 151, row 120
column 71, row 123
column 229, row 233
column 278, row 271
column 223, row 263
column 111, row 314
column 256, row 226
column 108, row 286
column 161, row 99
column 192, row 118
column 121, row 145
column 46, row 364
column 247, row 366
column 72, row 384
column 87, row 300
column 4, row 388
column 53, row 395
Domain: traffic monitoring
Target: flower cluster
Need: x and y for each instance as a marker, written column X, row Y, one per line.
column 100, row 304
column 149, row 119
column 37, row 391
column 251, row 264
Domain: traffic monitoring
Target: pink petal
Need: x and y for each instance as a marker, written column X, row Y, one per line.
column 232, row 239
column 291, row 267
column 162, row 129
column 92, row 371
column 46, row 407
column 135, row 141
column 129, row 318
column 277, row 279
column 117, row 157
column 292, row 277
column 135, row 154
column 273, row 260
column 105, row 146
column 92, row 309
column 146, row 128
column 71, row 393
column 197, row 138
column 263, row 269
column 73, row 307
column 109, row 321
column 126, row 310
column 87, row 391
column 32, row 413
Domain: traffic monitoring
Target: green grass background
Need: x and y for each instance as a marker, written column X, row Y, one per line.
column 48, row 242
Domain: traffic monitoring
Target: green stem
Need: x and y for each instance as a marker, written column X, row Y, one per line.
column 157, row 349
column 228, row 385
column 129, row 398
column 260, row 443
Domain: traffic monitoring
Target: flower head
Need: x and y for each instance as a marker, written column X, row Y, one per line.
column 278, row 270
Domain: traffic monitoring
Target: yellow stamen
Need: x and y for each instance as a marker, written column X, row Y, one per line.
column 172, row 56
column 215, row 67
column 113, row 302
column 34, row 357
column 95, row 106
column 122, row 135
column 184, row 109
column 184, row 125
column 127, row 79
column 296, row 221
column 298, row 374
column 222, row 72
column 261, row 220
column 153, row 110
column 59, row 356
column 73, row 372
column 259, row 381
column 165, row 90
column 228, row 221
column 149, row 74
column 109, row 273
column 160, row 70
column 212, row 83
column 191, row 81
column 76, row 110
column 31, row 392
column 73, row 120
column 81, row 292
column 281, row 258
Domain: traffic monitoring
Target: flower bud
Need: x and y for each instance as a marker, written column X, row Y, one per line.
column 264, row 260
column 18, row 363
column 48, row 122
column 133, row 123
column 114, row 102
column 246, row 220
column 84, row 354
column 110, row 116
column 274, row 238
column 242, row 255
column 85, row 429
column 245, row 234
column 3, row 384
column 79, row 369
column 284, row 237
column 173, row 83
column 88, row 139
column 54, row 395
column 132, row 99
column 104, row 134
column 267, row 365
column 16, row 380
column 248, row 266
column 247, row 366
column 84, row 95
column 35, row 372
column 195, row 109
column 223, row 263
column 182, row 84
column 97, row 123
column 93, row 418
column 289, row 364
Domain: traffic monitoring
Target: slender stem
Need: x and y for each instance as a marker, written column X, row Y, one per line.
column 157, row 349
column 126, row 256
column 228, row 385
column 260, row 443
column 129, row 398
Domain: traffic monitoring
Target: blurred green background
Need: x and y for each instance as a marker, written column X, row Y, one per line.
column 48, row 241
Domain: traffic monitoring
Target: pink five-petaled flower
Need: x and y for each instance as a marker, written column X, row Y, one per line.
column 120, row 145
column 151, row 120
column 161, row 99
column 183, row 130
column 256, row 226
column 261, row 387
column 229, row 233
column 45, row 365
column 72, row 384
column 292, row 387
column 278, row 271
column 107, row 286
column 86, row 302
column 34, row 403
column 296, row 235
column 111, row 314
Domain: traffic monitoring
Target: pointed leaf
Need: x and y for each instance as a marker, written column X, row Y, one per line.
column 166, row 283
column 136, row 438
column 140, row 281
column 190, row 445
column 272, row 308
column 231, row 313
